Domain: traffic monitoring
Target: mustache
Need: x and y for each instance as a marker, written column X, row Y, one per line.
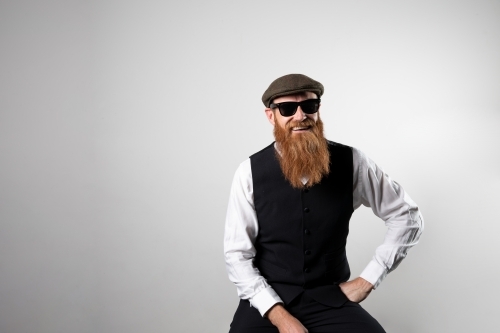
column 303, row 123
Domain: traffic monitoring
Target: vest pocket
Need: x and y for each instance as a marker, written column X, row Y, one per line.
column 336, row 266
column 269, row 269
column 335, row 255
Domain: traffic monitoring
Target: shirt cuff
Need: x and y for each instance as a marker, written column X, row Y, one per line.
column 264, row 300
column 374, row 273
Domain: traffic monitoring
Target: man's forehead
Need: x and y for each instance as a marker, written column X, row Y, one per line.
column 295, row 97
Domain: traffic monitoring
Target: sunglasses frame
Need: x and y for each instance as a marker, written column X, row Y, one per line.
column 278, row 105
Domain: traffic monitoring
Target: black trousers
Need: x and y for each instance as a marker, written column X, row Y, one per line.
column 316, row 317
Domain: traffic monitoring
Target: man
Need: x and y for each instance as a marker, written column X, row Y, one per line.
column 288, row 217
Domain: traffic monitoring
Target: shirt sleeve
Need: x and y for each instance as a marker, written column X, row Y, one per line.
column 240, row 232
column 387, row 199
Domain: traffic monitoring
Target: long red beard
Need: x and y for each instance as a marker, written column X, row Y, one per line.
column 303, row 154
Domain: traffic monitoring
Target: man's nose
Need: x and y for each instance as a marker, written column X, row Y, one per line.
column 299, row 114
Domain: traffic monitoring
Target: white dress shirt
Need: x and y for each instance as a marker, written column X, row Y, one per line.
column 371, row 187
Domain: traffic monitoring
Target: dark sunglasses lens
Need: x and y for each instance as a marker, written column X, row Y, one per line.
column 310, row 106
column 288, row 109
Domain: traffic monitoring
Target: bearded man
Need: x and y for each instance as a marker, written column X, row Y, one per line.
column 288, row 219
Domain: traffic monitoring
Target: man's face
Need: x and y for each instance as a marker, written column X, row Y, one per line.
column 276, row 119
column 303, row 150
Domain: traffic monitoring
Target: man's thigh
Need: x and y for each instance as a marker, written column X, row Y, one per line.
column 349, row 318
column 316, row 317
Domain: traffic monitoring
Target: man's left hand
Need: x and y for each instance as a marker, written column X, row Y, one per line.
column 356, row 290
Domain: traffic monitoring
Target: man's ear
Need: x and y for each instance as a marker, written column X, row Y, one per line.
column 270, row 116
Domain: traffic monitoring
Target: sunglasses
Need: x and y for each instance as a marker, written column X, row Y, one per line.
column 288, row 109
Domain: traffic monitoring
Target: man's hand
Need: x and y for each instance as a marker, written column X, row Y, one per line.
column 356, row 290
column 284, row 321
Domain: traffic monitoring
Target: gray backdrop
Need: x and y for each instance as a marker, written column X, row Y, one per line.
column 122, row 123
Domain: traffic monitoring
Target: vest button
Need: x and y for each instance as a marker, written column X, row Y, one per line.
column 307, row 252
column 307, row 270
column 306, row 210
column 307, row 232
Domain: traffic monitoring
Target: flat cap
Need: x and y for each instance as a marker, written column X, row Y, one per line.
column 291, row 84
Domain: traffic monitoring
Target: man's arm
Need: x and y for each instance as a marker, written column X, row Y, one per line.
column 356, row 290
column 239, row 236
column 387, row 199
column 241, row 230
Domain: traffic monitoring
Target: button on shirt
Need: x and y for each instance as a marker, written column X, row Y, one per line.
column 371, row 188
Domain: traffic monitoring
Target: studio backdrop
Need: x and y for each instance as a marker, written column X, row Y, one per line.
column 123, row 122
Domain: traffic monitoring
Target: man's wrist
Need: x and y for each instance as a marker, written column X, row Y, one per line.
column 277, row 313
column 374, row 273
column 264, row 300
column 365, row 285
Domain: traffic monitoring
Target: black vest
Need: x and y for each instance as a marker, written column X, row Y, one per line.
column 302, row 233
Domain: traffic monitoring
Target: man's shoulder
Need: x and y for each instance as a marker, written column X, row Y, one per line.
column 333, row 144
column 336, row 148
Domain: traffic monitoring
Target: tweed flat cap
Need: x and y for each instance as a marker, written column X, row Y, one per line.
column 291, row 84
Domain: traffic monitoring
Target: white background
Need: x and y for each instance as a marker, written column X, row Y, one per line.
column 122, row 123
